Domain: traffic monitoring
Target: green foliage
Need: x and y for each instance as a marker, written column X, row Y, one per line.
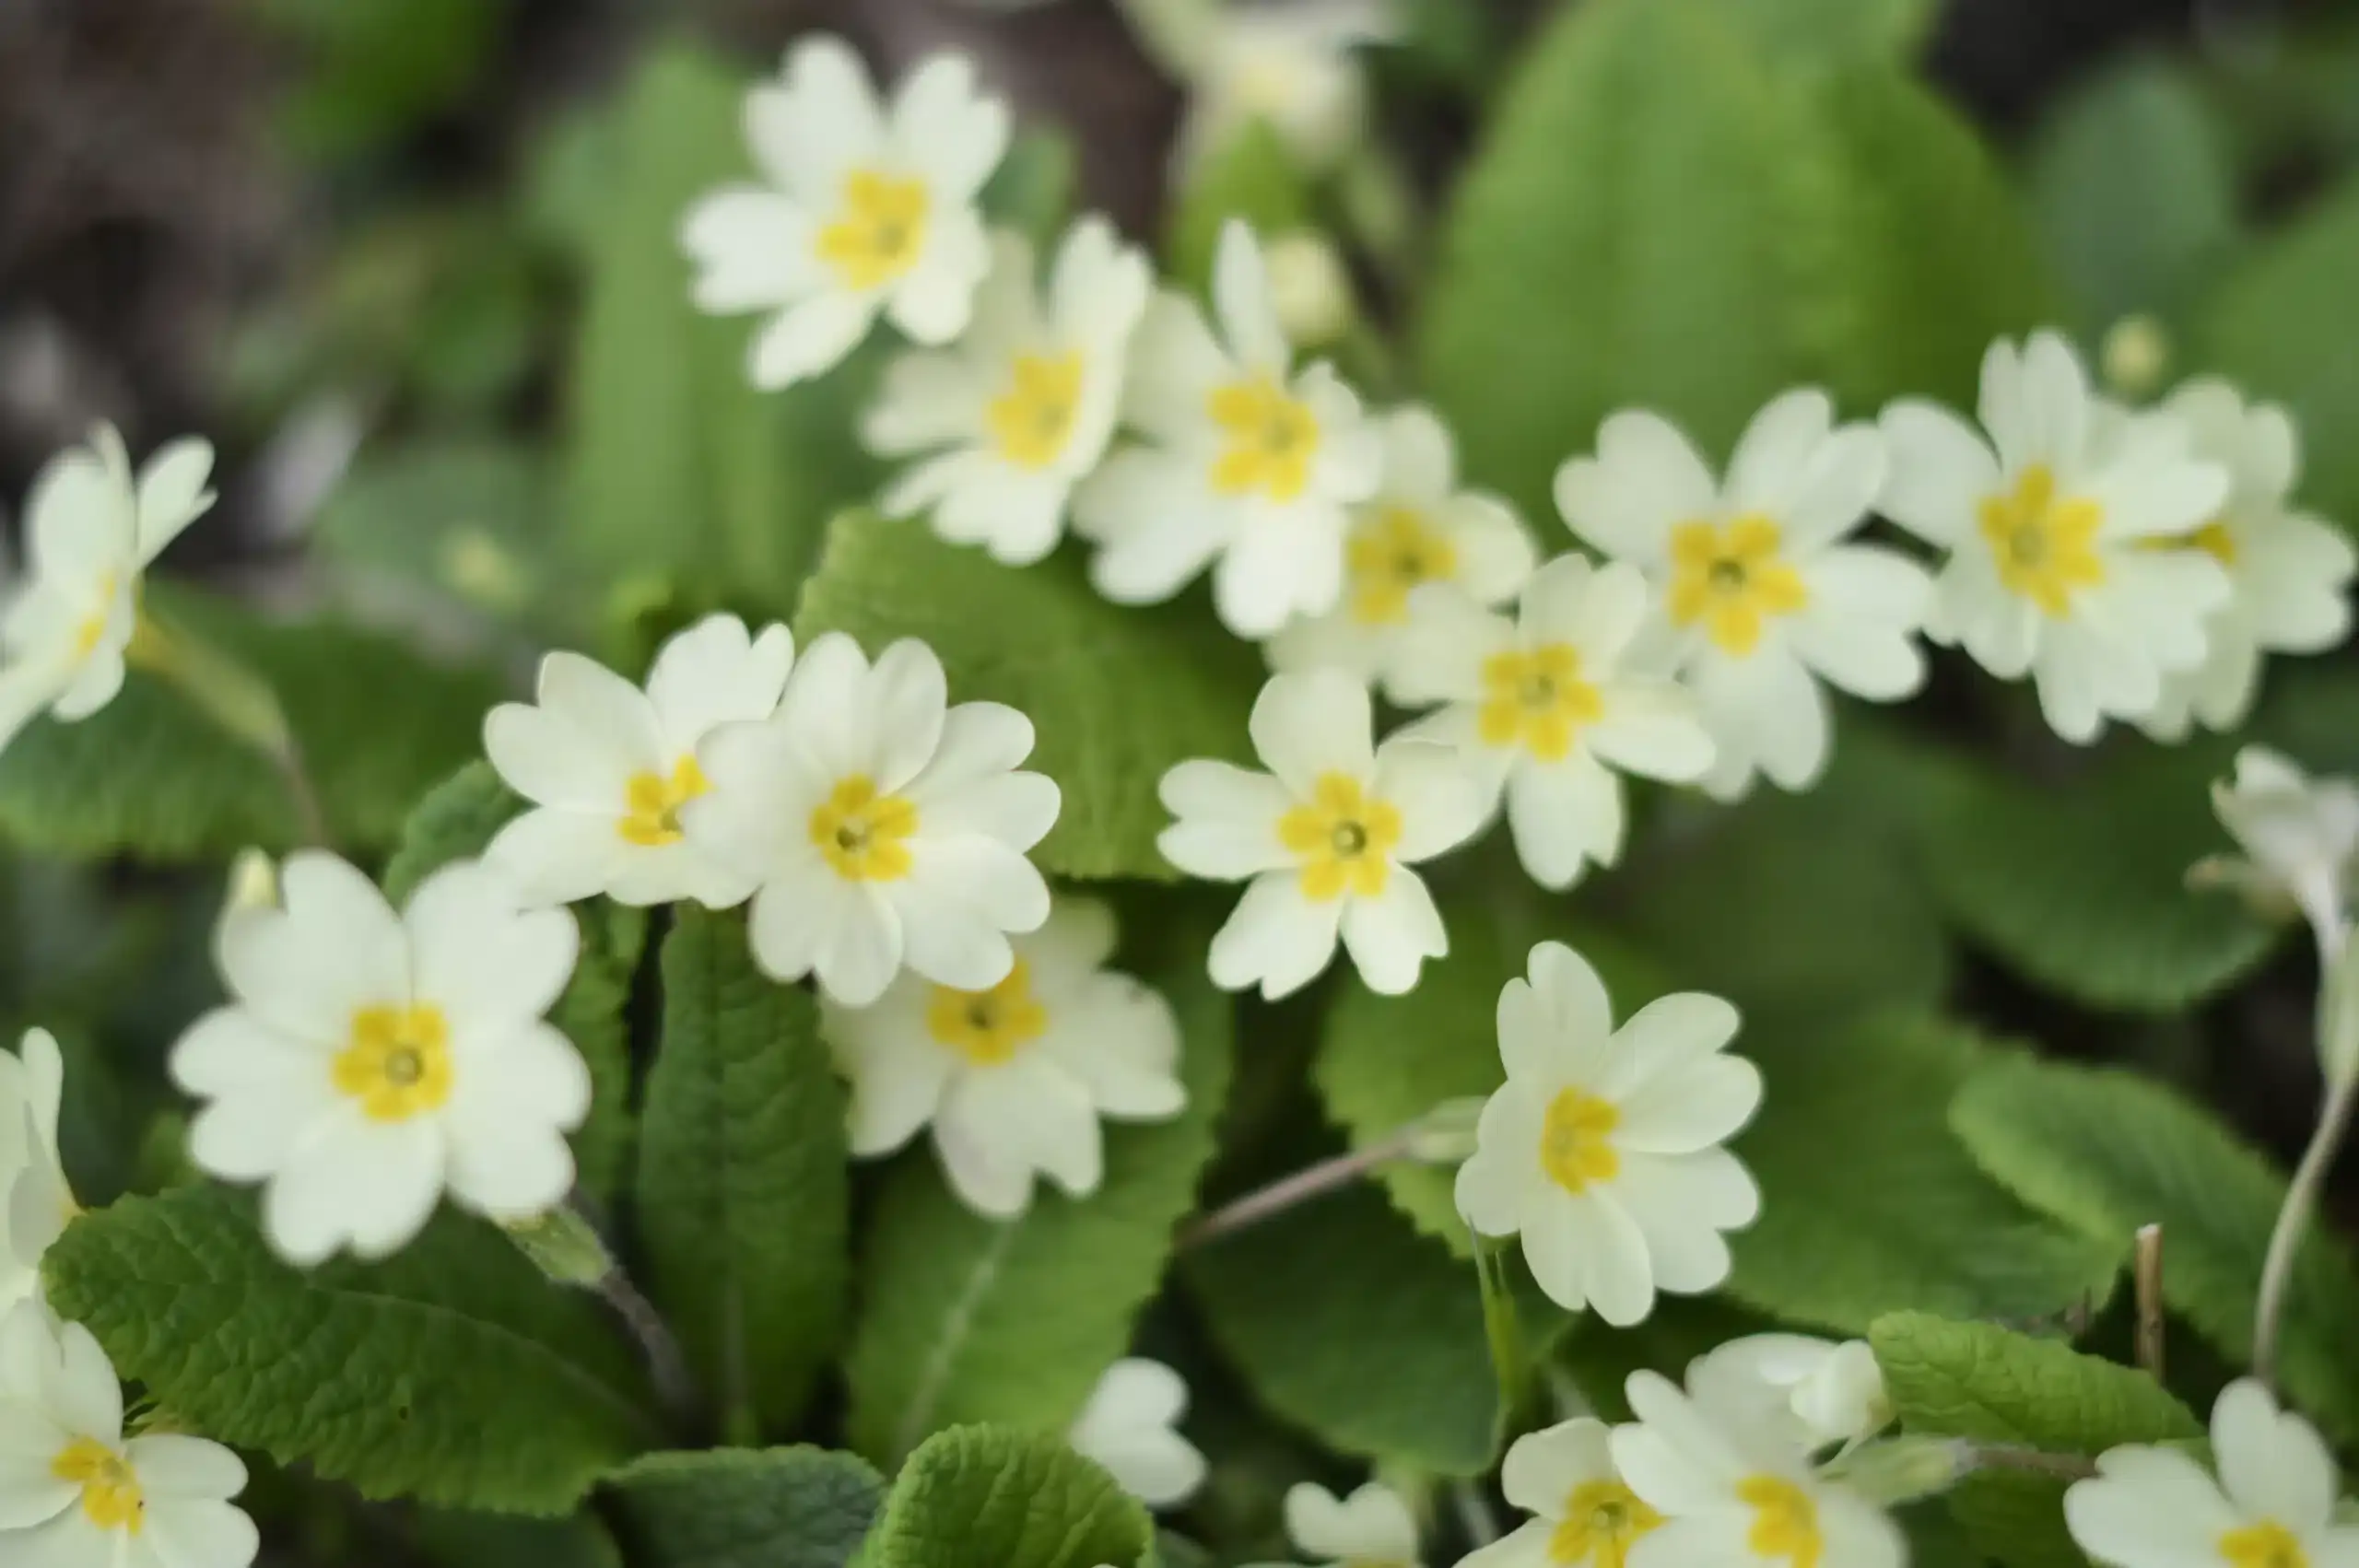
column 1697, row 251
column 459, row 818
column 2134, row 195
column 2081, row 886
column 1384, row 1061
column 965, row 1318
column 152, row 778
column 1366, row 1335
column 374, row 70
column 1979, row 1381
column 747, row 1508
column 1870, row 1205
column 2107, row 1151
column 1116, row 694
column 2261, row 327
column 451, row 517
column 986, row 1497
column 1820, row 31
column 678, row 471
column 1032, row 190
column 453, row 1372
column 742, row 1194
column 1251, row 177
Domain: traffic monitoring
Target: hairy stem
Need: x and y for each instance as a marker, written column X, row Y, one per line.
column 2294, row 1220
column 1287, row 1192
column 2146, row 1275
column 2032, row 1461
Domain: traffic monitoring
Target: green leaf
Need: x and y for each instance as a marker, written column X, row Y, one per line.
column 1980, row 1381
column 1869, row 1204
column 2136, row 200
column 442, row 516
column 453, row 1372
column 375, row 70
column 744, row 1199
column 1361, row 1332
column 2260, row 327
column 2107, row 1151
column 1032, row 190
column 747, row 1508
column 966, row 1318
column 677, row 468
column 1117, row 695
column 458, row 819
column 1713, row 897
column 1249, row 177
column 985, row 1497
column 152, row 778
column 1384, row 1061
column 1621, row 238
column 2080, row 885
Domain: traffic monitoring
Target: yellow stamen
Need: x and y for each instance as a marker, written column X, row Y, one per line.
column 988, row 1028
column 1537, row 700
column 654, row 801
column 1732, row 580
column 1577, row 1139
column 1033, row 419
column 110, row 1494
column 864, row 834
column 1272, row 437
column 1603, row 1520
column 1343, row 837
column 398, row 1063
column 2045, row 546
column 1785, row 1521
column 2265, row 1545
column 1392, row 551
column 878, row 232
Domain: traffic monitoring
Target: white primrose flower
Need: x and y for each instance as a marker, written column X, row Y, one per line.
column 1547, row 705
column 1833, row 1391
column 93, row 530
column 2289, row 573
column 865, row 210
column 2273, row 1505
column 1292, row 67
column 368, row 1061
column 884, row 828
column 1248, row 462
column 1023, row 407
column 36, row 1200
column 1602, row 1149
column 608, row 766
column 1370, row 1528
column 75, row 1493
column 2051, row 520
column 2297, row 834
column 1762, row 594
column 1736, row 1487
column 1327, row 837
column 1131, row 1426
column 1013, row 1076
column 1583, row 1515
column 1418, row 529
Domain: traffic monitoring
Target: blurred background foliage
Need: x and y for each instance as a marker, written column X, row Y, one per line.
column 412, row 264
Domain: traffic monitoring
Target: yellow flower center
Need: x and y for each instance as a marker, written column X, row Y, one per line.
column 1731, row 580
column 2266, row 1544
column 1393, row 550
column 988, row 1028
column 1537, row 700
column 2045, row 546
column 1271, row 439
column 1602, row 1520
column 654, row 801
column 864, row 834
column 109, row 1488
column 1785, row 1521
column 2214, row 540
column 398, row 1063
column 1033, row 418
column 93, row 625
column 877, row 233
column 1577, row 1139
column 1343, row 835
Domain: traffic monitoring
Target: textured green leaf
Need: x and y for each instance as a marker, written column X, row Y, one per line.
column 2135, row 196
column 2260, row 326
column 1117, row 695
column 453, row 1372
column 1621, row 238
column 1870, row 1205
column 1980, row 1381
column 459, row 818
column 677, row 468
column 1384, row 1061
column 2107, row 1151
column 965, row 1318
column 747, row 1508
column 1363, row 1333
column 986, row 1497
column 2080, row 885
column 744, row 1199
column 1250, row 177
column 153, row 777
